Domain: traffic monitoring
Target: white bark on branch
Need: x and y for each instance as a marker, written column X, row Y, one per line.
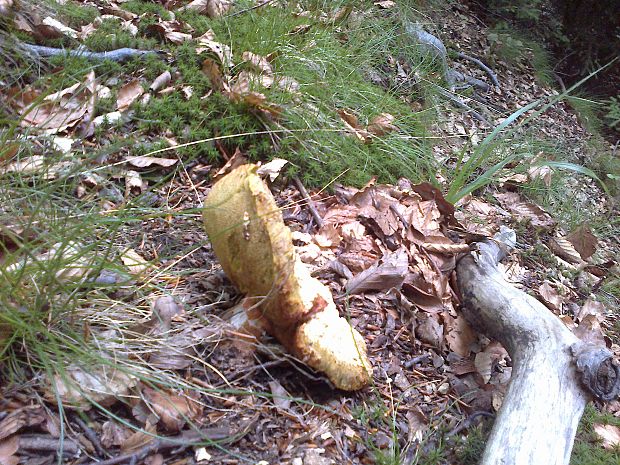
column 554, row 374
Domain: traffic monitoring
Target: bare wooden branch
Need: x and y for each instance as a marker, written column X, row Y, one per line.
column 121, row 54
column 537, row 422
column 482, row 66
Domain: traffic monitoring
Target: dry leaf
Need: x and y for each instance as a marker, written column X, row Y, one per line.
column 525, row 210
column 258, row 63
column 172, row 31
column 584, row 241
column 590, row 330
column 386, row 273
column 429, row 330
column 609, row 434
column 272, row 169
column 8, row 449
column 551, row 297
column 173, row 410
column 565, row 250
column 115, row 10
column 5, row 7
column 23, row 417
column 108, row 118
column 281, row 398
column 27, row 165
column 134, row 262
column 128, row 94
column 82, row 386
column 352, row 124
column 114, row 434
column 541, row 172
column 385, row 4
column 207, row 43
column 134, row 184
column 144, row 162
column 140, row 438
column 592, row 307
column 59, row 27
column 233, row 162
column 61, row 110
column 459, row 334
column 382, row 124
column 212, row 8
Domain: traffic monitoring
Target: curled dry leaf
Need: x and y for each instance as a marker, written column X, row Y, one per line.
column 551, row 297
column 173, row 410
column 272, row 169
column 59, row 27
column 382, row 124
column 134, row 262
column 207, row 43
column 172, row 31
column 115, row 10
column 160, row 81
column 128, row 94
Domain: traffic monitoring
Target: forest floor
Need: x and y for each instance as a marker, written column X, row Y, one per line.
column 120, row 335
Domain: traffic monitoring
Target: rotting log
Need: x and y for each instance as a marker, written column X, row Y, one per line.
column 554, row 373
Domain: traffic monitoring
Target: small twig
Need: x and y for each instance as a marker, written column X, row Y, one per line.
column 47, row 443
column 416, row 360
column 482, row 66
column 311, row 205
column 92, row 437
column 560, row 81
column 119, row 55
column 255, row 7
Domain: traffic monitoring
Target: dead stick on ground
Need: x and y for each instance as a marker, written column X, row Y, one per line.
column 119, row 55
column 311, row 205
column 554, row 373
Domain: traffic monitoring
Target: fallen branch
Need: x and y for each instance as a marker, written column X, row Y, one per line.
column 554, row 374
column 482, row 66
column 462, row 105
column 120, row 55
column 47, row 443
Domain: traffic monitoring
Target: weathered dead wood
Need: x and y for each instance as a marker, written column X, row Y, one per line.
column 120, row 55
column 554, row 374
